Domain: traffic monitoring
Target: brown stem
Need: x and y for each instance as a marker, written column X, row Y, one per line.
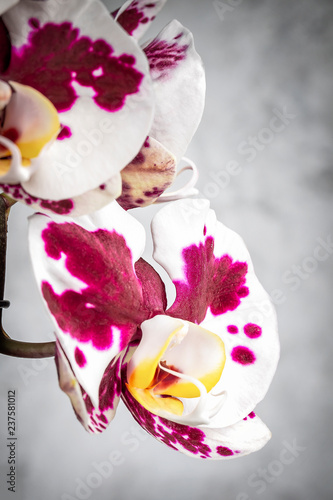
column 8, row 346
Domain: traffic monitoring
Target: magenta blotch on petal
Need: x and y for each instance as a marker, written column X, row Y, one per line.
column 243, row 355
column 112, row 297
column 80, row 357
column 210, row 282
column 75, row 59
column 252, row 331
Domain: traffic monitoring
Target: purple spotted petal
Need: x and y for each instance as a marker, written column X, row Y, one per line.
column 85, row 271
column 216, row 287
column 93, row 418
column 240, row 439
column 135, row 17
column 148, row 175
column 86, row 203
column 185, row 248
column 179, row 85
column 85, row 64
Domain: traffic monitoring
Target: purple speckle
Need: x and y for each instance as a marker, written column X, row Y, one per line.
column 243, row 355
column 224, row 451
column 64, row 133
column 232, row 329
column 139, row 159
column 252, row 331
column 164, row 56
column 34, row 23
column 80, row 357
column 61, row 207
column 252, row 414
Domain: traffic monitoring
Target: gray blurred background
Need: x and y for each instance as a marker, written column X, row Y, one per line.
column 262, row 58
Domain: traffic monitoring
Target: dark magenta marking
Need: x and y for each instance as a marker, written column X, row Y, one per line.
column 252, row 331
column 80, row 357
column 11, row 134
column 153, row 289
column 205, row 230
column 62, row 207
column 232, row 329
column 130, row 19
column 139, row 159
column 224, row 451
column 64, row 133
column 56, row 56
column 163, row 56
column 210, row 282
column 173, row 435
column 112, row 296
column 243, row 355
column 154, row 193
column 252, row 414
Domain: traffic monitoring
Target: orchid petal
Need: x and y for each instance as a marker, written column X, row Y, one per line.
column 179, row 85
column 90, row 68
column 241, row 438
column 217, row 288
column 94, row 419
column 136, row 16
column 79, row 205
column 85, row 271
column 148, row 175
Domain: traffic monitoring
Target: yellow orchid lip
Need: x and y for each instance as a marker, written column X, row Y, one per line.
column 187, row 363
column 30, row 123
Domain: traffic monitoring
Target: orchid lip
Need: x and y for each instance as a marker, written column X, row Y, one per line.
column 196, row 416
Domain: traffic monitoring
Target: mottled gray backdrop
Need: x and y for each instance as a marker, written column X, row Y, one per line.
column 262, row 58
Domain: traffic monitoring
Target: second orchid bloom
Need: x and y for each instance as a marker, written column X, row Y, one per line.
column 87, row 115
column 191, row 372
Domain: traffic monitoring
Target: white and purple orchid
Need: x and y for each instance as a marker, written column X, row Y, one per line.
column 191, row 373
column 86, row 113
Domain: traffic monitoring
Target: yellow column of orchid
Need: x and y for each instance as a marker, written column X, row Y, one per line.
column 173, row 360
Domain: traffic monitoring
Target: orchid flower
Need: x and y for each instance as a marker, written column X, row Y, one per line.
column 86, row 114
column 191, row 373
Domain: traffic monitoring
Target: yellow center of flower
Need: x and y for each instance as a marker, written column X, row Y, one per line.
column 30, row 121
column 175, row 359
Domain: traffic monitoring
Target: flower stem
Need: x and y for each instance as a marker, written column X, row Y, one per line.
column 8, row 346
